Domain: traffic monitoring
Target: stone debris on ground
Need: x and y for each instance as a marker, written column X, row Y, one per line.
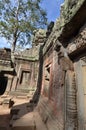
column 20, row 116
column 5, row 110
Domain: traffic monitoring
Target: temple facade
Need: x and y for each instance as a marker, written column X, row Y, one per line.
column 64, row 70
column 6, row 70
column 55, row 68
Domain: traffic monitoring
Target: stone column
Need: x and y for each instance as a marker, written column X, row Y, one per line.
column 71, row 104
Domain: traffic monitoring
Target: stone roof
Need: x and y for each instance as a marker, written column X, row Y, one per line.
column 39, row 37
column 5, row 60
column 5, row 54
column 31, row 54
column 72, row 18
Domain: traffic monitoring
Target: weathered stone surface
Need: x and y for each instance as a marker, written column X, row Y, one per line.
column 5, row 60
column 71, row 102
column 46, row 111
column 38, row 122
column 49, row 29
column 31, row 54
column 5, row 54
column 14, row 111
column 27, row 71
column 66, row 38
column 79, row 42
column 56, row 66
column 70, row 8
column 7, row 102
column 6, row 69
column 26, row 122
column 39, row 37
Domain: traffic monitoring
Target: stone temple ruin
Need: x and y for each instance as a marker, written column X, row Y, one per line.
column 53, row 72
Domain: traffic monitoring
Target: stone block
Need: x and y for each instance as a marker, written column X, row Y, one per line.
column 6, row 102
column 3, row 96
column 24, row 123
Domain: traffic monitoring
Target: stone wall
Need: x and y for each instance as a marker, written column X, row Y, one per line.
column 26, row 64
column 56, row 67
column 6, row 70
column 77, row 52
column 26, row 67
column 64, row 70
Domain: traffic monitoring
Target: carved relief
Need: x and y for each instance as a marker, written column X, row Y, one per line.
column 71, row 4
column 78, row 42
column 71, row 104
column 5, row 63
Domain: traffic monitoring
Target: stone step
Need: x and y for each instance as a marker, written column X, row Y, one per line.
column 4, row 96
column 24, row 90
column 26, row 122
column 18, row 93
column 21, row 97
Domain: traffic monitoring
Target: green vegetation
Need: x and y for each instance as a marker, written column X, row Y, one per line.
column 18, row 19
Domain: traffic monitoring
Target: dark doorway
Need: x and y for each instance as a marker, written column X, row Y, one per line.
column 3, row 84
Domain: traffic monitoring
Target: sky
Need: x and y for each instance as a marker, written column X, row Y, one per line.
column 52, row 8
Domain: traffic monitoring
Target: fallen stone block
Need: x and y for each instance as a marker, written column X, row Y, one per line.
column 6, row 102
column 4, row 96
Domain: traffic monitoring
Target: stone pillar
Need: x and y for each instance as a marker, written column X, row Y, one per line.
column 71, row 102
column 9, row 84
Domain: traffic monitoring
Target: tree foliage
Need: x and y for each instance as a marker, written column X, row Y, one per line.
column 18, row 19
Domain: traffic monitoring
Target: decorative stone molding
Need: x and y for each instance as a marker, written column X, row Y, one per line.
column 71, row 104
